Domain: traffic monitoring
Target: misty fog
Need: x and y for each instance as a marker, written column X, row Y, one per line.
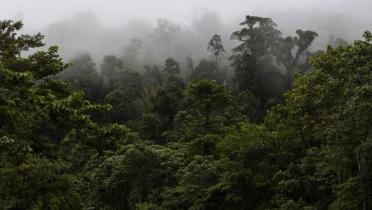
column 154, row 31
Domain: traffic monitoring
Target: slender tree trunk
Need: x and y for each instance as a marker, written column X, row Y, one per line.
column 364, row 181
column 217, row 61
column 363, row 173
column 289, row 77
column 206, row 122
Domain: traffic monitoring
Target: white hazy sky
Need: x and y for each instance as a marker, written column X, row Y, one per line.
column 39, row 13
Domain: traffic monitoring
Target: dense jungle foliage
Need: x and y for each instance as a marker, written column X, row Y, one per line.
column 291, row 129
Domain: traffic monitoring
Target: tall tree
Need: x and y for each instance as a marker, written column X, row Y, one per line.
column 168, row 99
column 111, row 69
column 253, row 58
column 215, row 46
column 261, row 49
column 290, row 49
column 131, row 53
column 172, row 66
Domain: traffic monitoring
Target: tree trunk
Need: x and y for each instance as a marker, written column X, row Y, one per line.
column 289, row 77
column 363, row 173
column 216, row 62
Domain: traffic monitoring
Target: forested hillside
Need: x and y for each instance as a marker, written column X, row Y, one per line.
column 281, row 127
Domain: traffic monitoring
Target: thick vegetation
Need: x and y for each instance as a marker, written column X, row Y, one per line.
column 289, row 131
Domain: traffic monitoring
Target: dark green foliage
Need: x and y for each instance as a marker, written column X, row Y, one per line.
column 12, row 44
column 261, row 48
column 126, row 178
column 111, row 70
column 248, row 107
column 152, row 77
column 206, row 70
column 215, row 46
column 330, row 110
column 206, row 108
column 167, row 101
column 290, row 50
column 191, row 146
column 39, row 117
column 82, row 75
column 151, row 128
column 123, row 98
column 253, row 58
column 171, row 66
column 165, row 105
